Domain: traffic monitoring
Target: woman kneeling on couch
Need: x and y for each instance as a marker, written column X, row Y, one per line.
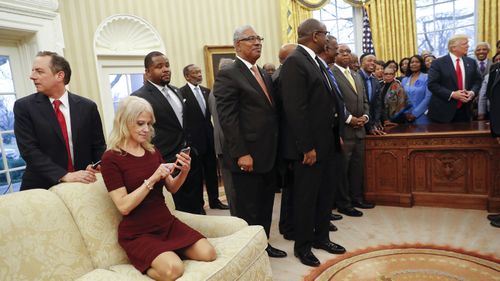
column 134, row 173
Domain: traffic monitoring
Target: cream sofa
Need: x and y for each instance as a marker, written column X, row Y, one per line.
column 70, row 233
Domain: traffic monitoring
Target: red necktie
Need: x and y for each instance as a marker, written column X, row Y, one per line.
column 261, row 82
column 64, row 129
column 459, row 80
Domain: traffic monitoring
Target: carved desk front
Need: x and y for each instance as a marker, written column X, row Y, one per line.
column 448, row 165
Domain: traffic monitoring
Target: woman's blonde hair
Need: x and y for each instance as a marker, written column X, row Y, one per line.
column 129, row 110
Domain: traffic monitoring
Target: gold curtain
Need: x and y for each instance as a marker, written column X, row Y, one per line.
column 488, row 23
column 292, row 14
column 394, row 29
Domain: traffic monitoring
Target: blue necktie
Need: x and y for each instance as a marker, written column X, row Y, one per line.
column 370, row 90
column 330, row 73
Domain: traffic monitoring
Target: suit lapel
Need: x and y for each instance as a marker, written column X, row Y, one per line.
column 315, row 65
column 194, row 100
column 162, row 100
column 496, row 73
column 449, row 64
column 469, row 68
column 253, row 81
column 342, row 79
column 46, row 108
column 74, row 111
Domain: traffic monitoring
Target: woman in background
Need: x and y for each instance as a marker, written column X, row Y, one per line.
column 415, row 85
column 134, row 173
column 379, row 71
column 395, row 99
column 428, row 61
column 403, row 68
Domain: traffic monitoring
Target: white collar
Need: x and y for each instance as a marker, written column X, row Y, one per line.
column 311, row 53
column 249, row 65
column 64, row 99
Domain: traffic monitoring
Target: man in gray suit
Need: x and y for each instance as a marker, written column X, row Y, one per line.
column 350, row 193
column 218, row 142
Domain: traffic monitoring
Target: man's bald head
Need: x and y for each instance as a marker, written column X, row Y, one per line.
column 285, row 51
column 312, row 33
column 307, row 27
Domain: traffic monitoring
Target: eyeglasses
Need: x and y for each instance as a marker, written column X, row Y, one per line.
column 252, row 38
column 389, row 73
column 320, row 31
column 344, row 51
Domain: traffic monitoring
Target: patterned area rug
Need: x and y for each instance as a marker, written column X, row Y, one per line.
column 409, row 263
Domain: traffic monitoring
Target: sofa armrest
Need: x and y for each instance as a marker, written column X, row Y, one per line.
column 212, row 226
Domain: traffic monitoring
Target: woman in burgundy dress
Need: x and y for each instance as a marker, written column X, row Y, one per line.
column 134, row 173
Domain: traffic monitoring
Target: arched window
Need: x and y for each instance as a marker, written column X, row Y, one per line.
column 120, row 44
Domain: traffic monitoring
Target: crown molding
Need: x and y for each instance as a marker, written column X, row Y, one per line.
column 36, row 8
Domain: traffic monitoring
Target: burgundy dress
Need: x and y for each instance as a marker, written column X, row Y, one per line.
column 149, row 229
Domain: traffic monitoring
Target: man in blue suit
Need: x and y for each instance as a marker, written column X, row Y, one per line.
column 454, row 81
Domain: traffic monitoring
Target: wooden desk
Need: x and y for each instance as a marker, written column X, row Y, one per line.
column 448, row 165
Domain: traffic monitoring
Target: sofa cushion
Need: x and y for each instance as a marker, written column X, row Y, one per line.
column 212, row 226
column 236, row 255
column 97, row 218
column 104, row 275
column 39, row 239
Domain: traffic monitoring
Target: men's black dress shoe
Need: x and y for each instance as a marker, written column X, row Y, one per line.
column 493, row 217
column 332, row 227
column 495, row 223
column 330, row 247
column 275, row 253
column 351, row 212
column 218, row 205
column 307, row 258
column 363, row 205
column 335, row 217
column 202, row 212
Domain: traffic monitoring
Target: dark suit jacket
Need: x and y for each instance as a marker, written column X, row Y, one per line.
column 311, row 109
column 376, row 102
column 169, row 134
column 199, row 131
column 355, row 101
column 443, row 80
column 41, row 143
column 249, row 122
column 493, row 94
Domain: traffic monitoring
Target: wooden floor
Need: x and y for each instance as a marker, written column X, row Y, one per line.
column 466, row 229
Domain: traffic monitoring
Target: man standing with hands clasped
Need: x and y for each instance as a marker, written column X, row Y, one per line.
column 59, row 134
column 249, row 121
column 454, row 80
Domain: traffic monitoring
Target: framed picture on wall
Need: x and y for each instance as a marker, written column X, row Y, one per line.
column 213, row 55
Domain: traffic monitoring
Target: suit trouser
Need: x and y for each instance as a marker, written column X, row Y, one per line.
column 255, row 197
column 313, row 196
column 286, row 210
column 353, row 153
column 189, row 197
column 227, row 178
column 209, row 174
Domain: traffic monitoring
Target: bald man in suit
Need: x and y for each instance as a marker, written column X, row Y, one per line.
column 352, row 87
column 311, row 135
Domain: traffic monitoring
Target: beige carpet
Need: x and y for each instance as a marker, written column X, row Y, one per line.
column 408, row 262
column 468, row 230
